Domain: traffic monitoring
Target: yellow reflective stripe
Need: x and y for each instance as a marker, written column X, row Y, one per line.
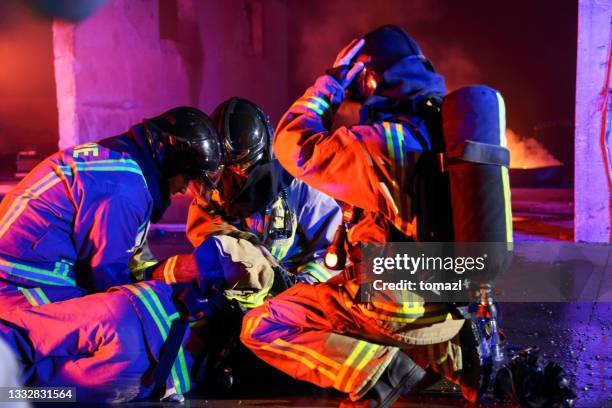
column 137, row 290
column 143, row 265
column 348, row 363
column 323, row 271
column 368, row 356
column 44, row 276
column 387, row 193
column 505, row 178
column 507, row 203
column 253, row 300
column 402, row 307
column 253, row 322
column 317, row 271
column 186, row 384
column 322, row 102
column 395, row 169
column 42, row 296
column 404, row 203
column 19, row 204
column 301, row 359
column 169, row 270
column 28, row 296
column 405, row 317
column 311, row 106
column 312, row 353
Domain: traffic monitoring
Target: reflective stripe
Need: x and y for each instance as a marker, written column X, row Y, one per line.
column 507, row 204
column 25, row 292
column 405, row 314
column 349, row 362
column 169, row 270
column 253, row 300
column 20, row 203
column 54, row 177
column 317, row 271
column 405, row 226
column 395, row 138
column 283, row 251
column 505, row 178
column 314, row 354
column 387, row 193
column 368, row 356
column 43, row 299
column 163, row 322
column 251, row 324
column 126, row 165
column 39, row 275
column 310, row 105
column 284, row 248
column 301, row 359
column 35, row 296
column 320, row 101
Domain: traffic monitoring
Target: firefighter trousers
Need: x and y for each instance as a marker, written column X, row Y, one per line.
column 324, row 335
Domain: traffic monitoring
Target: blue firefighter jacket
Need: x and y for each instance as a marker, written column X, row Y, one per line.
column 77, row 218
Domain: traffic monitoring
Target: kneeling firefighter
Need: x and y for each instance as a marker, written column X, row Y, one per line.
column 71, row 226
column 377, row 351
column 138, row 341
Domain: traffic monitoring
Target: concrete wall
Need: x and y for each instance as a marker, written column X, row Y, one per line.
column 593, row 183
column 112, row 70
column 245, row 52
column 28, row 113
column 137, row 58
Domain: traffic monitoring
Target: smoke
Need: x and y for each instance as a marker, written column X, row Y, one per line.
column 528, row 153
column 322, row 28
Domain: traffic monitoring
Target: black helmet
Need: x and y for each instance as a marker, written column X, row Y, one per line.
column 245, row 131
column 382, row 49
column 184, row 141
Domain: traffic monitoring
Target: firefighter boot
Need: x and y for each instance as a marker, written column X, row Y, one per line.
column 400, row 378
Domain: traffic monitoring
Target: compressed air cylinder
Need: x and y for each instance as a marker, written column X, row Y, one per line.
column 476, row 158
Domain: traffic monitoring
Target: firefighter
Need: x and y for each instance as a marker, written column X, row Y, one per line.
column 117, row 346
column 259, row 199
column 380, row 350
column 73, row 223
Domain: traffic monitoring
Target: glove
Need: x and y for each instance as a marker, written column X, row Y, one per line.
column 344, row 69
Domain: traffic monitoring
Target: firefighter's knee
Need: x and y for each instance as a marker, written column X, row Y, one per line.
column 254, row 329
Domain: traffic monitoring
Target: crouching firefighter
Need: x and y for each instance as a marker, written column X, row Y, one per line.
column 256, row 200
column 137, row 341
column 379, row 350
column 72, row 224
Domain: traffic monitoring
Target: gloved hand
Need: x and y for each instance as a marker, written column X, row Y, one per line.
column 344, row 70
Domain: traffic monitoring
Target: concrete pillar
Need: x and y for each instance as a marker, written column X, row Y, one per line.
column 116, row 68
column 593, row 172
column 64, row 61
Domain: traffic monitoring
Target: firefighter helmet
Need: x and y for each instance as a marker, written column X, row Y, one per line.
column 382, row 49
column 184, row 141
column 245, row 132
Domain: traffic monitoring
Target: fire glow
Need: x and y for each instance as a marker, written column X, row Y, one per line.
column 528, row 153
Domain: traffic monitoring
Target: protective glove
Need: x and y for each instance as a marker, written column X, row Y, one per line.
column 344, row 69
